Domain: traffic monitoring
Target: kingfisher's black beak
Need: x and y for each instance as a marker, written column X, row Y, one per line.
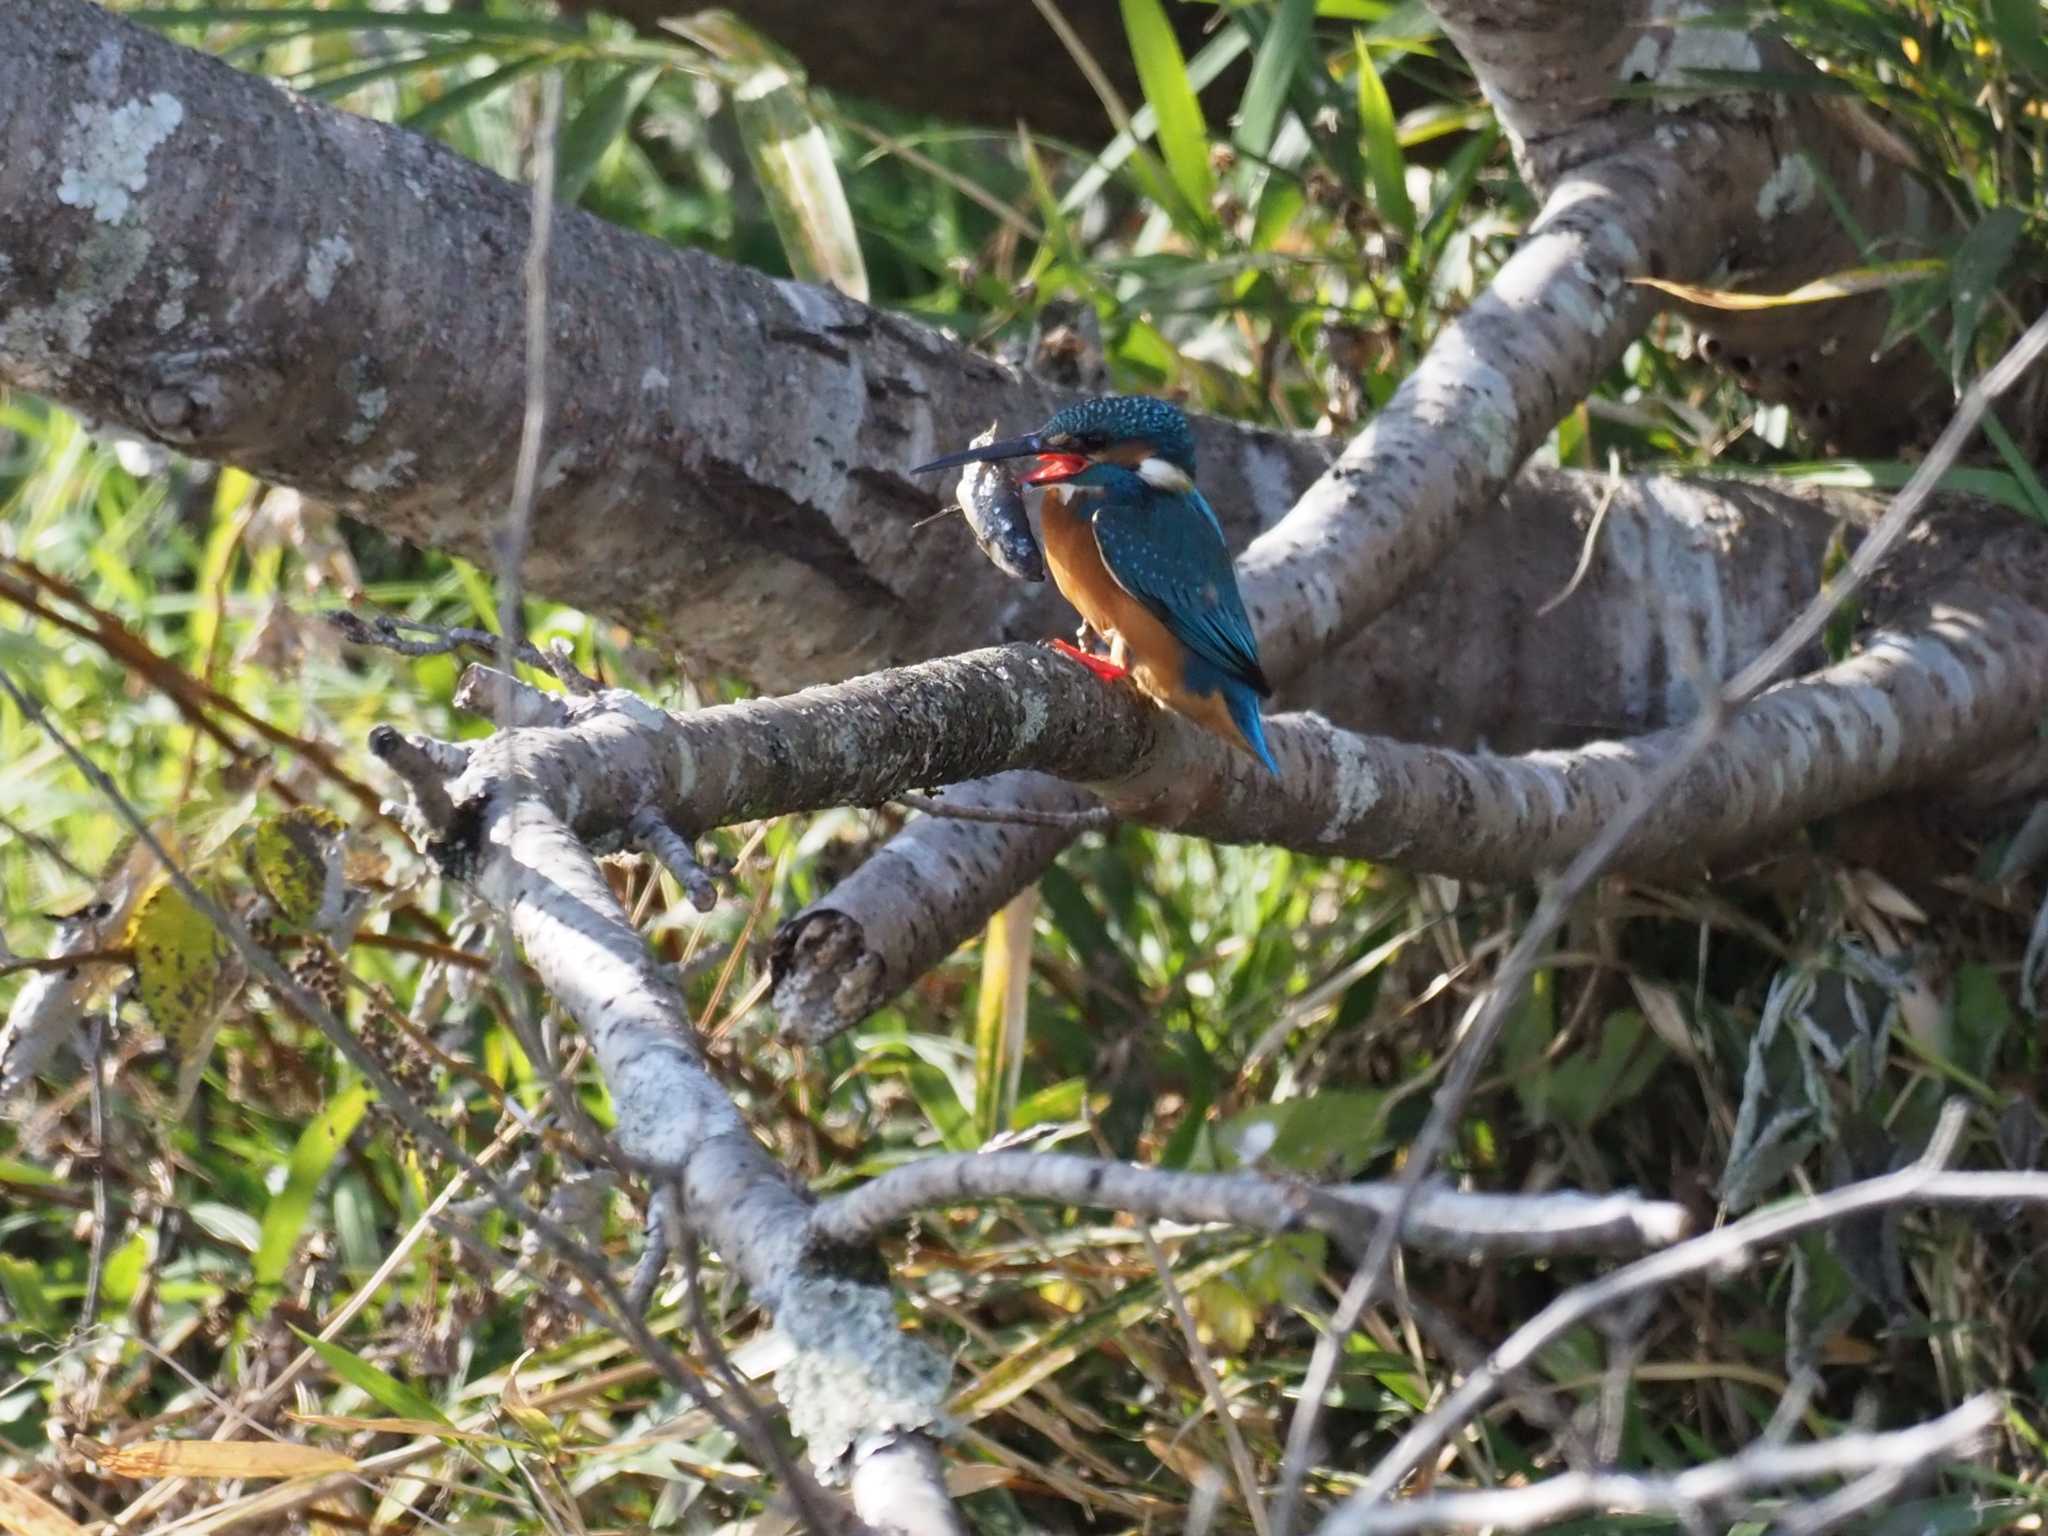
column 1008, row 448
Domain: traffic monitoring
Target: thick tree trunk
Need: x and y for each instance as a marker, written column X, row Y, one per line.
column 724, row 450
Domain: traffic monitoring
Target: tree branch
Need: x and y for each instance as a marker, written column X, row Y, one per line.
column 856, row 1385
column 1442, row 1221
column 1917, row 705
column 1722, row 1251
column 1686, row 1495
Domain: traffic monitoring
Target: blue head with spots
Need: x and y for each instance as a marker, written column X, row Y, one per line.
column 1085, row 442
column 1123, row 429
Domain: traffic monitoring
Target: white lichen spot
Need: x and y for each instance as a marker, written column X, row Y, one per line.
column 380, row 476
column 558, row 467
column 105, row 156
column 852, row 1371
column 103, row 69
column 1866, row 168
column 170, row 314
column 652, row 380
column 1787, row 189
column 324, row 263
column 1641, row 61
column 1355, row 785
column 1672, row 61
column 1036, row 715
column 370, row 404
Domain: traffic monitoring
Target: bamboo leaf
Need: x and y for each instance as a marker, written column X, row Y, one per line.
column 1163, row 72
column 787, row 147
column 2017, row 26
column 999, row 1016
column 471, row 92
column 215, row 1458
column 597, row 125
column 1980, row 262
column 23, row 1512
column 1282, row 52
column 284, row 1222
column 383, row 1388
column 1383, row 159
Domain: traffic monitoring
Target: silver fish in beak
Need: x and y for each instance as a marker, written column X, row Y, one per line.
column 994, row 503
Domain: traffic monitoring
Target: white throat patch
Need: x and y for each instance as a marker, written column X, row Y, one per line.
column 1163, row 476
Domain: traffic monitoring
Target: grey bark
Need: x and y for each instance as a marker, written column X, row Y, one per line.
column 350, row 323
column 1441, row 1220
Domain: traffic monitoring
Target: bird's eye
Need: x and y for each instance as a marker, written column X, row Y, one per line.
column 1092, row 442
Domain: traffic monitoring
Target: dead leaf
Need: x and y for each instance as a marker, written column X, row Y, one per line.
column 23, row 1513
column 1839, row 285
column 218, row 1458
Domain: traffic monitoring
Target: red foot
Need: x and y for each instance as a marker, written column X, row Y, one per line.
column 1108, row 671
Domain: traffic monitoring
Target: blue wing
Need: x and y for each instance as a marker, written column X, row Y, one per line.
column 1167, row 551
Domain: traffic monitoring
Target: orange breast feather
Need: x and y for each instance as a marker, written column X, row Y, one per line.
column 1155, row 656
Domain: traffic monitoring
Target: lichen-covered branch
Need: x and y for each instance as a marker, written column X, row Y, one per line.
column 856, row 1386
column 1962, row 681
column 1441, row 1220
column 1553, row 70
column 912, row 903
column 1555, row 583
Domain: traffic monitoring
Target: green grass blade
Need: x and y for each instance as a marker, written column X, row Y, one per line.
column 596, row 126
column 1383, row 157
column 1215, row 57
column 1163, row 72
column 472, row 92
column 284, row 1222
column 1280, row 54
column 383, row 1388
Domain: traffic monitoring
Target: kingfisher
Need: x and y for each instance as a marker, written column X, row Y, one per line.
column 1139, row 552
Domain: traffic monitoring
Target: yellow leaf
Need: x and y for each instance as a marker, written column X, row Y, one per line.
column 180, row 965
column 297, row 859
column 1839, row 285
column 1224, row 1316
column 521, row 1410
column 218, row 1458
column 23, row 1513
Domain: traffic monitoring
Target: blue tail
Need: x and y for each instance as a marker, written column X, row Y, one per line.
column 1243, row 705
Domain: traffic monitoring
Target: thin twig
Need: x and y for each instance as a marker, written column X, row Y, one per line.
column 393, row 632
column 1441, row 1220
column 1092, row 819
column 1198, row 1356
column 97, row 1036
column 1723, row 1250
column 1892, row 1456
column 1607, row 494
column 1489, row 1015
column 532, row 428
column 1898, row 517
